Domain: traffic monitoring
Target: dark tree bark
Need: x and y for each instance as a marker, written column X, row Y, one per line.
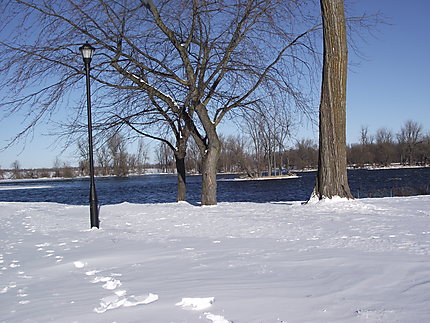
column 332, row 177
column 180, row 154
column 182, row 184
column 209, row 171
column 209, row 185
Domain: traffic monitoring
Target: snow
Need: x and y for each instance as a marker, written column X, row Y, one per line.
column 267, row 178
column 196, row 303
column 314, row 199
column 137, row 77
column 163, row 94
column 19, row 187
column 345, row 261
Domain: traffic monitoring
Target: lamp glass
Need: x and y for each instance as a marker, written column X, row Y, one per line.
column 87, row 51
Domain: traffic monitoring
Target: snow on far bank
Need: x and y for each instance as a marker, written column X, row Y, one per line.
column 265, row 178
column 347, row 261
column 22, row 187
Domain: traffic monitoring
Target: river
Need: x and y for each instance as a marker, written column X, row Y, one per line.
column 161, row 188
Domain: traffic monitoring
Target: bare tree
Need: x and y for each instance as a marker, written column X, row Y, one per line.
column 116, row 146
column 424, row 151
column 382, row 148
column 251, row 127
column 409, row 137
column 164, row 158
column 57, row 167
column 365, row 137
column 114, row 158
column 384, row 152
column 193, row 159
column 103, row 159
column 305, row 154
column 176, row 65
column 332, row 179
column 363, row 153
column 16, row 170
column 269, row 125
column 141, row 156
column 233, row 157
column 82, row 148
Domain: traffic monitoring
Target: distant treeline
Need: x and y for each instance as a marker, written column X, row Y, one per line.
column 69, row 172
column 266, row 156
column 251, row 156
column 111, row 159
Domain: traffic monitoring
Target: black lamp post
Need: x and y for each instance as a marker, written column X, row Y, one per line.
column 87, row 52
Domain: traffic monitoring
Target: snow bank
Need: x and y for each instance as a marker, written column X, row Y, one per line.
column 266, row 178
column 350, row 261
column 22, row 187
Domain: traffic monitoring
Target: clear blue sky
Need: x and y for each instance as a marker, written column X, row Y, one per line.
column 388, row 87
column 393, row 84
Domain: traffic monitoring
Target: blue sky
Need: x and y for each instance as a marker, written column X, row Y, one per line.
column 393, row 84
column 386, row 88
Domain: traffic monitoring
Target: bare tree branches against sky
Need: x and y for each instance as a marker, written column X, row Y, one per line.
column 386, row 88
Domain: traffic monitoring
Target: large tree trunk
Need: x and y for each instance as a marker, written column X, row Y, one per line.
column 180, row 169
column 210, row 149
column 180, row 153
column 209, row 165
column 332, row 177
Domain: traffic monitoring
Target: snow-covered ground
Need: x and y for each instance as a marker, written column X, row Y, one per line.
column 346, row 261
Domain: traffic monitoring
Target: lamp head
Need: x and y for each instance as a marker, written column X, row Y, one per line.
column 87, row 52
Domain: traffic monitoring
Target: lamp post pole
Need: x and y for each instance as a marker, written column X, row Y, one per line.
column 87, row 52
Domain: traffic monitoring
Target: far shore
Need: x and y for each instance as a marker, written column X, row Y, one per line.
column 262, row 178
column 242, row 176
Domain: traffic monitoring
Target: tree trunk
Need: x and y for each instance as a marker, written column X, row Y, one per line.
column 180, row 153
column 180, row 169
column 332, row 177
column 209, row 164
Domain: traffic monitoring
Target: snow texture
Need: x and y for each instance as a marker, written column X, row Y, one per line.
column 197, row 303
column 336, row 261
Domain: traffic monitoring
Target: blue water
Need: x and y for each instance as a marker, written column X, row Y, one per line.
column 162, row 188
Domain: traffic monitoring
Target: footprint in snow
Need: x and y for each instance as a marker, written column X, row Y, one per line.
column 216, row 318
column 202, row 303
column 109, row 282
column 22, row 292
column 197, row 303
column 92, row 272
column 49, row 253
column 119, row 299
column 79, row 264
column 14, row 264
column 24, row 302
column 23, row 275
column 109, row 303
column 140, row 300
column 5, row 289
column 40, row 245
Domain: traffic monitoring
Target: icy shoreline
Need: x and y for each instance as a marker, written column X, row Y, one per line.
column 154, row 172
column 265, row 178
column 347, row 261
